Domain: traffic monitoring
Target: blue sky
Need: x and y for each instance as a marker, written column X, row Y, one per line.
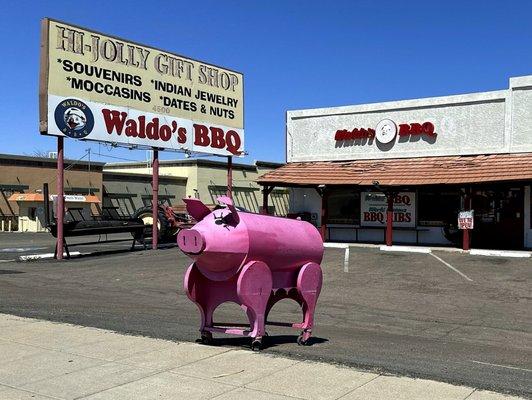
column 294, row 54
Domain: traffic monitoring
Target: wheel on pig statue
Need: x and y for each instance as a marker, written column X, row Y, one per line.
column 256, row 344
column 304, row 338
column 206, row 338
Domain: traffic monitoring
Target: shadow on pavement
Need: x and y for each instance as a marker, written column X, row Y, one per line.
column 8, row 272
column 268, row 341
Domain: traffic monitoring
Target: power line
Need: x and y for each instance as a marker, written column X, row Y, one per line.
column 119, row 158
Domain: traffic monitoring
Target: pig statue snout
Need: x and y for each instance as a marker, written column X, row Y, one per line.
column 191, row 241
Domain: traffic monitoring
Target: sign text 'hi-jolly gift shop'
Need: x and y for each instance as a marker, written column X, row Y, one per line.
column 97, row 87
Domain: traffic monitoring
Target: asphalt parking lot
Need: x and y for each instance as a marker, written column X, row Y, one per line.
column 403, row 313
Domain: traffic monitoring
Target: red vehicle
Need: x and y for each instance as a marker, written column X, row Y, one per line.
column 169, row 222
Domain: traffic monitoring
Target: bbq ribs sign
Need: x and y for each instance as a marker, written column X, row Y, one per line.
column 98, row 87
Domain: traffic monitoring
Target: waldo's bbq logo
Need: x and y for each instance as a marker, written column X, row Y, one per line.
column 114, row 76
column 74, row 118
column 386, row 131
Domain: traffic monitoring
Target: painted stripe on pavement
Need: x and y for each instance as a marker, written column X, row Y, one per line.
column 501, row 366
column 450, row 266
column 346, row 259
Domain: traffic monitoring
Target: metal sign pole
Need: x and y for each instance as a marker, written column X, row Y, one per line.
column 155, row 199
column 230, row 177
column 60, row 212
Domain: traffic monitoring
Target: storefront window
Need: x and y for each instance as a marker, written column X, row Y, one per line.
column 343, row 206
column 498, row 217
column 437, row 207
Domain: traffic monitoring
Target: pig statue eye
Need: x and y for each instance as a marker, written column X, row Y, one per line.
column 225, row 220
column 218, row 220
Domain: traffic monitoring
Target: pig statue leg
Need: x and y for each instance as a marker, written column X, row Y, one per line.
column 207, row 295
column 309, row 282
column 254, row 287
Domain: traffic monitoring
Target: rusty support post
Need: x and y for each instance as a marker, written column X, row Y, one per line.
column 155, row 199
column 324, row 214
column 60, row 211
column 265, row 194
column 266, row 190
column 466, row 239
column 230, row 177
column 389, row 219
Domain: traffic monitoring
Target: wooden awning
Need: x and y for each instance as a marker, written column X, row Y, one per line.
column 404, row 171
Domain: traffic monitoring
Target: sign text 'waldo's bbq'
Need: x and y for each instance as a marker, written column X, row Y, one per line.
column 386, row 132
column 97, row 87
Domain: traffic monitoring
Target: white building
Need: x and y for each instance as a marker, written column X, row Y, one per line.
column 433, row 156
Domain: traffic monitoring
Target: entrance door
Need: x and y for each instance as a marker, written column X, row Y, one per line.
column 499, row 215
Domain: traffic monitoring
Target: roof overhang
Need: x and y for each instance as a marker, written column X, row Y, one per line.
column 447, row 170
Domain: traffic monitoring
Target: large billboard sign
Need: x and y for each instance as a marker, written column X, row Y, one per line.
column 98, row 87
column 373, row 206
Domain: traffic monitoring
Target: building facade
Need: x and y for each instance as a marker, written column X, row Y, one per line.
column 117, row 190
column 24, row 174
column 428, row 159
column 124, row 193
column 207, row 179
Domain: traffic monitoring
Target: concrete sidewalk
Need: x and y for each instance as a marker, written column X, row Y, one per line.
column 43, row 360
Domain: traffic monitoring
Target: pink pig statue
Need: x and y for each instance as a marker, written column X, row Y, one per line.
column 253, row 260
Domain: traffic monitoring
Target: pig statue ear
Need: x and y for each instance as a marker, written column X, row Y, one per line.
column 229, row 203
column 196, row 209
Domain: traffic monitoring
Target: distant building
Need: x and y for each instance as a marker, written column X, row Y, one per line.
column 124, row 193
column 117, row 190
column 207, row 179
column 24, row 174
